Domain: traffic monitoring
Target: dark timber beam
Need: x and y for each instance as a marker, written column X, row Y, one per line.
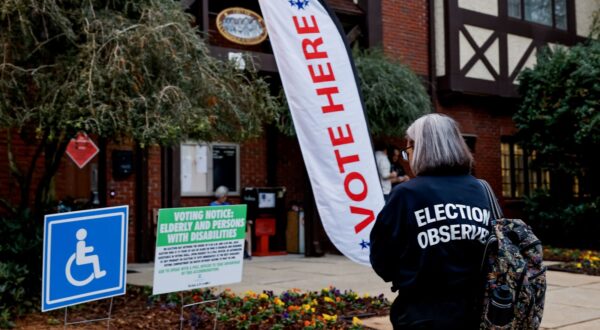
column 374, row 30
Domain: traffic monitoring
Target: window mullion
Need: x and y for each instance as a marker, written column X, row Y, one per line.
column 513, row 183
column 525, row 173
column 553, row 13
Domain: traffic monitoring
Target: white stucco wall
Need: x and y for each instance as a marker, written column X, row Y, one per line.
column 480, row 36
column 489, row 7
column 440, row 38
column 517, row 46
column 584, row 9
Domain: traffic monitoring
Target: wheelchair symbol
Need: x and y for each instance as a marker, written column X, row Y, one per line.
column 80, row 258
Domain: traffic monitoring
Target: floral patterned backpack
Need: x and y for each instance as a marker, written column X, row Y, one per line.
column 515, row 283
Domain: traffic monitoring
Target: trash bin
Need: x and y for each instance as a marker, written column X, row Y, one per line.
column 266, row 208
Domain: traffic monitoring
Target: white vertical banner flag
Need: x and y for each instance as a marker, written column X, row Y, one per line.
column 321, row 89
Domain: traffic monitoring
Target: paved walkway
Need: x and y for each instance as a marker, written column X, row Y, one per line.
column 572, row 300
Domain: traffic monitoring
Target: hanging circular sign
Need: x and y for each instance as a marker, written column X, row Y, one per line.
column 242, row 26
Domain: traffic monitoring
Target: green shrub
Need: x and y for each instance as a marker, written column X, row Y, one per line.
column 558, row 119
column 20, row 267
column 13, row 296
column 564, row 223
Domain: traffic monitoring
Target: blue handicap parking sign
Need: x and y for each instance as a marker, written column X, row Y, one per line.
column 85, row 256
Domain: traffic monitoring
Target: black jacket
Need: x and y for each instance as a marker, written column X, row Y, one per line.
column 428, row 241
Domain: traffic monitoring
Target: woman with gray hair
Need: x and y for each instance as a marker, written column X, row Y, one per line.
column 221, row 196
column 428, row 239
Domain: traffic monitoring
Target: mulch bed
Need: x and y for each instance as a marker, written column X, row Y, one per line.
column 137, row 309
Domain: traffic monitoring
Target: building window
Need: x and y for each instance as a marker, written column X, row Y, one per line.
column 206, row 166
column 546, row 12
column 470, row 141
column 518, row 179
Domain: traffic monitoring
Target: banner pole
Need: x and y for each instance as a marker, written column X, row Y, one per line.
column 108, row 318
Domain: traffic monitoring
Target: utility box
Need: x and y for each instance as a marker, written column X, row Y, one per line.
column 292, row 233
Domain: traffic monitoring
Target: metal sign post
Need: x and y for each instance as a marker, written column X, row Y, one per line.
column 94, row 320
column 181, row 318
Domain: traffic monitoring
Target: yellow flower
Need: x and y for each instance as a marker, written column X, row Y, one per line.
column 278, row 301
column 228, row 293
column 325, row 290
column 327, row 299
column 263, row 296
column 314, row 302
column 332, row 318
column 578, row 265
column 250, row 293
column 312, row 310
column 356, row 321
column 306, row 307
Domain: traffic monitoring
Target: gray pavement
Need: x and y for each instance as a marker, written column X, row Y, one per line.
column 572, row 300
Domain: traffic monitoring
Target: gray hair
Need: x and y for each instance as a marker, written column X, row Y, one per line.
column 438, row 145
column 221, row 191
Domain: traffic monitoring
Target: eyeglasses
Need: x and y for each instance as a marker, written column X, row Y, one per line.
column 404, row 153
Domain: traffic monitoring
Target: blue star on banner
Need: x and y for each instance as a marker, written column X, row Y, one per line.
column 364, row 244
column 301, row 4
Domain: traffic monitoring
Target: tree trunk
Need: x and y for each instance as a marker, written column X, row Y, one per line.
column 53, row 153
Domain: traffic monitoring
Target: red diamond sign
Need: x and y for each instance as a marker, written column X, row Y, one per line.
column 82, row 149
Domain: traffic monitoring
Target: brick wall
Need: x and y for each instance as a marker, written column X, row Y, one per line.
column 405, row 25
column 22, row 152
column 253, row 171
column 122, row 192
column 154, row 179
column 487, row 119
column 64, row 179
column 291, row 172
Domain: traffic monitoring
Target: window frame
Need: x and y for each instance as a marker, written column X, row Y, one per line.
column 527, row 157
column 210, row 169
column 569, row 21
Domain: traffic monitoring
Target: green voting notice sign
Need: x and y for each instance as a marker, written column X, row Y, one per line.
column 198, row 247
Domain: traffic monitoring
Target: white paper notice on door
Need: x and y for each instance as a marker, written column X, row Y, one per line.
column 201, row 159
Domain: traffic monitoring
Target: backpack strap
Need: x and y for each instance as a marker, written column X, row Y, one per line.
column 496, row 214
column 492, row 200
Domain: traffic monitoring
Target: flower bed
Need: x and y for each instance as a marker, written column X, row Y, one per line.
column 329, row 308
column 577, row 261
